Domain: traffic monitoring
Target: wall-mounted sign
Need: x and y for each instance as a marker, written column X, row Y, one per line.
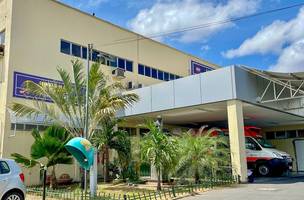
column 197, row 68
column 19, row 80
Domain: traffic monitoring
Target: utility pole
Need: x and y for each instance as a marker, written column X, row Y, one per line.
column 86, row 125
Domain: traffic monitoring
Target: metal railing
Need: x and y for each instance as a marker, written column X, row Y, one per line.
column 168, row 192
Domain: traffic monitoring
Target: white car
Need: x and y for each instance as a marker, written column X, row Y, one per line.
column 11, row 181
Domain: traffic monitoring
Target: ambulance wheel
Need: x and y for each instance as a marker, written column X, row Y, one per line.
column 263, row 169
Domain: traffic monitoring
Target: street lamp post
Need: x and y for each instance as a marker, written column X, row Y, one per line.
column 86, row 125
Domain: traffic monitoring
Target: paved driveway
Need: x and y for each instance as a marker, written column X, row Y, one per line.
column 277, row 189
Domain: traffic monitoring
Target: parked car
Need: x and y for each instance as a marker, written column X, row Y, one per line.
column 11, row 181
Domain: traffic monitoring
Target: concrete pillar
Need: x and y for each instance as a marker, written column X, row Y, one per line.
column 237, row 139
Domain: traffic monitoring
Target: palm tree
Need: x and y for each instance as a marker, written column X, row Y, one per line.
column 67, row 108
column 107, row 138
column 159, row 149
column 47, row 150
column 200, row 153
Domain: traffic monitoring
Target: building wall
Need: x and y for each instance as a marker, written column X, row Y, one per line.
column 33, row 33
column 285, row 144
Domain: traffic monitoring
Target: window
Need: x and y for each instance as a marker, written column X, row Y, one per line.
column 84, row 52
column 2, row 37
column 280, row 134
column 4, row 168
column 30, row 127
column 129, row 66
column 147, row 71
column 95, row 56
column 291, row 134
column 166, row 76
column 251, row 144
column 172, row 76
column 141, row 69
column 301, row 133
column 20, row 127
column 121, row 63
column 65, row 47
column 160, row 75
column 177, row 77
column 113, row 62
column 154, row 73
column 270, row 135
column 76, row 50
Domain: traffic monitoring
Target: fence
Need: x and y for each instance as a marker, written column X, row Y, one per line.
column 170, row 192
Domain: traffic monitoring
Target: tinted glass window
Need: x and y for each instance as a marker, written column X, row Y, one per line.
column 84, row 52
column 154, row 73
column 166, row 76
column 121, row 63
column 141, row 69
column 76, row 50
column 281, row 134
column 301, row 133
column 147, row 71
column 65, row 47
column 95, row 55
column 2, row 37
column 4, row 168
column 177, row 77
column 172, row 76
column 270, row 135
column 129, row 66
column 291, row 134
column 113, row 63
column 160, row 75
column 251, row 144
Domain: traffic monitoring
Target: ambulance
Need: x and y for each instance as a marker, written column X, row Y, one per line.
column 262, row 157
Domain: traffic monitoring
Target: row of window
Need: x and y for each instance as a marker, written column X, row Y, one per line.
column 76, row 50
column 284, row 134
column 156, row 73
column 79, row 51
column 27, row 127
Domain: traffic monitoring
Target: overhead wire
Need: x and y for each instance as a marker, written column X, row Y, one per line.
column 201, row 26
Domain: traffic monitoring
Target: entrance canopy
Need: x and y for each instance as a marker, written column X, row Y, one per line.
column 202, row 98
column 215, row 114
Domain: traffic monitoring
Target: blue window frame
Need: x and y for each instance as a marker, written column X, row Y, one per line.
column 172, row 76
column 141, row 69
column 121, row 63
column 147, row 71
column 95, row 55
column 84, row 52
column 76, row 50
column 129, row 66
column 160, row 75
column 166, row 76
column 154, row 73
column 65, row 47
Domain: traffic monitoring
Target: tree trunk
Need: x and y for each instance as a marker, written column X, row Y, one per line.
column 197, row 176
column 158, row 180
column 106, row 164
column 53, row 180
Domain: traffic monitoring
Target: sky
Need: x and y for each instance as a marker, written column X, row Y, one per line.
column 274, row 41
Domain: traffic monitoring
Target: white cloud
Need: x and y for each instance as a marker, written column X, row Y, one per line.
column 272, row 38
column 291, row 58
column 205, row 47
column 170, row 15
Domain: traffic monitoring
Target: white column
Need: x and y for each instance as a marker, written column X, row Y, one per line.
column 93, row 176
column 237, row 139
column 153, row 173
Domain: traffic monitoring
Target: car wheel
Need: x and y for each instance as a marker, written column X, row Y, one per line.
column 263, row 170
column 13, row 196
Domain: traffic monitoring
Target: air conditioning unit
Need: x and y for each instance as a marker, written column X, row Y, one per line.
column 118, row 73
column 140, row 85
column 1, row 50
column 130, row 85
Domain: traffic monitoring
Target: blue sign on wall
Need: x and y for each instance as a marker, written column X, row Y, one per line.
column 19, row 80
column 197, row 68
